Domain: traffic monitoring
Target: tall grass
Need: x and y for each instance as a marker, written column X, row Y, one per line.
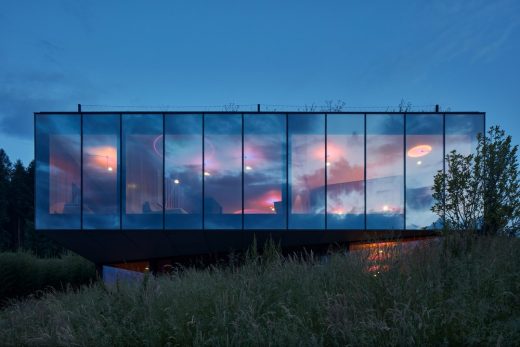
column 450, row 292
column 22, row 273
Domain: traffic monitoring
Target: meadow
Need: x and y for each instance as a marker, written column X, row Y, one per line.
column 448, row 291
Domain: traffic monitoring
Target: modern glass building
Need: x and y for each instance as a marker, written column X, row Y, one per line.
column 119, row 187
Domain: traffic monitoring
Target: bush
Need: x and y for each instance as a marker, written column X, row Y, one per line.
column 23, row 274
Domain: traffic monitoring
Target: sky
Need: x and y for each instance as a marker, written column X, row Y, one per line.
column 462, row 55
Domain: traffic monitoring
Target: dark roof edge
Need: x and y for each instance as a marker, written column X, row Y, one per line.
column 262, row 112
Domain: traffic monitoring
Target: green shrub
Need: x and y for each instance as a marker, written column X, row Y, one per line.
column 23, row 274
column 447, row 292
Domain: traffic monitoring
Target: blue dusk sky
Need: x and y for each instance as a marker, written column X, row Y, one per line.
column 464, row 55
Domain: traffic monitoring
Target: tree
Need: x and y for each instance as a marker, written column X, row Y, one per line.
column 456, row 193
column 501, row 187
column 20, row 202
column 481, row 191
column 5, row 176
column 17, row 211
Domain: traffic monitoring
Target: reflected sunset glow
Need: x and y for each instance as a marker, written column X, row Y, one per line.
column 103, row 157
column 334, row 152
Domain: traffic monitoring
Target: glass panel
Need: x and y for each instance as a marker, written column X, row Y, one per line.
column 183, row 171
column 424, row 154
column 307, row 171
column 345, row 171
column 385, row 169
column 264, row 171
column 223, row 171
column 462, row 131
column 101, row 172
column 142, row 171
column 58, row 175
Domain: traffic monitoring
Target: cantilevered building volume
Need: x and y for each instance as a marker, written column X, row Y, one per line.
column 123, row 187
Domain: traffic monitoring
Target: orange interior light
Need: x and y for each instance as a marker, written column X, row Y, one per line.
column 419, row 151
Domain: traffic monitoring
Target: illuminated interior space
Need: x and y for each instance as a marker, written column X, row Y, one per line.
column 136, row 186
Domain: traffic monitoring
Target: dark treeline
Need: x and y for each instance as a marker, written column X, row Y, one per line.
column 17, row 210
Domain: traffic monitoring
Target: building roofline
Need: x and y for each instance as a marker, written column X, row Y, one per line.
column 261, row 112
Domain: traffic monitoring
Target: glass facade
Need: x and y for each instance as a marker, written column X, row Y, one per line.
column 223, row 171
column 265, row 201
column 424, row 156
column 234, row 171
column 101, row 174
column 306, row 171
column 461, row 132
column 345, row 171
column 58, row 172
column 142, row 162
column 385, row 171
column 183, row 171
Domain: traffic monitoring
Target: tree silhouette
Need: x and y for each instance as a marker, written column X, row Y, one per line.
column 481, row 192
column 17, row 210
column 5, row 175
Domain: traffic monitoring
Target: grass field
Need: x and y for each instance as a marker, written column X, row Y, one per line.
column 454, row 291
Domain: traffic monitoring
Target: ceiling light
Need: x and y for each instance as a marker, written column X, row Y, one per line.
column 419, row 151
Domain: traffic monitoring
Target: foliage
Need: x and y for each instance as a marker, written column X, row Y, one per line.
column 231, row 107
column 331, row 106
column 404, row 106
column 456, row 193
column 5, row 175
column 481, row 191
column 22, row 273
column 21, row 196
column 501, row 186
column 456, row 291
column 17, row 211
